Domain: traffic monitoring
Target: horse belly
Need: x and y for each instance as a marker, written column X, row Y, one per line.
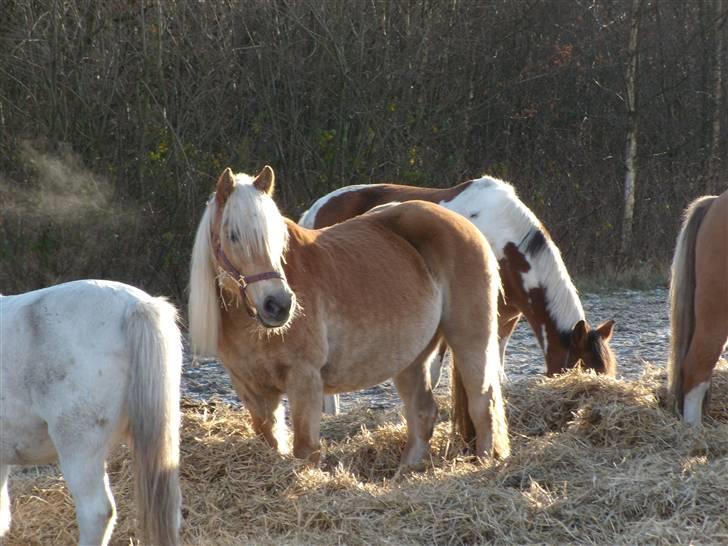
column 362, row 357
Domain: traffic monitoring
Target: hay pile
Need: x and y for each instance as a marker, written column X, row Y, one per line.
column 595, row 461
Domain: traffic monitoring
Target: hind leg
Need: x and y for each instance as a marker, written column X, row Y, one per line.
column 436, row 363
column 703, row 354
column 4, row 500
column 508, row 318
column 331, row 404
column 85, row 473
column 420, row 408
column 477, row 371
column 707, row 344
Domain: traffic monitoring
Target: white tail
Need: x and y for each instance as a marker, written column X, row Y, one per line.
column 682, row 292
column 155, row 347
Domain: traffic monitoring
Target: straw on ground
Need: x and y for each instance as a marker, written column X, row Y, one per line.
column 595, row 461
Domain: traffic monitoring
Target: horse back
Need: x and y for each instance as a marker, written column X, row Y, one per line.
column 60, row 343
column 353, row 201
column 453, row 249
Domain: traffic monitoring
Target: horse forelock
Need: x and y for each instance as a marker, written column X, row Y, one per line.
column 252, row 223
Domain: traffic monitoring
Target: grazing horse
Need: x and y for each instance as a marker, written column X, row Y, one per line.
column 301, row 312
column 85, row 365
column 536, row 283
column 698, row 304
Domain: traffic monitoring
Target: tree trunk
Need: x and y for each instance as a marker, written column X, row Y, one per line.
column 712, row 185
column 631, row 150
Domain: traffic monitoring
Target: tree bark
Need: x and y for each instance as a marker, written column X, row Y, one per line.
column 712, row 185
column 631, row 149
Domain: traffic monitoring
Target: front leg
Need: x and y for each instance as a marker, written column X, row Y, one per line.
column 270, row 424
column 4, row 499
column 267, row 414
column 305, row 396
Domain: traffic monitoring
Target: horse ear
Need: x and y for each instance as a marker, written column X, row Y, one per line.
column 224, row 187
column 265, row 180
column 580, row 334
column 606, row 329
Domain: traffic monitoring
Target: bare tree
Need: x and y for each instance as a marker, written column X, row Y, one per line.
column 714, row 160
column 631, row 151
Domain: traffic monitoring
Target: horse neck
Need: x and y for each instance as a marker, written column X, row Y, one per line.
column 561, row 308
column 533, row 271
column 555, row 346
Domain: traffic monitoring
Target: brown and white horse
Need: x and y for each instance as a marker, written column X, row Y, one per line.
column 698, row 304
column 345, row 308
column 536, row 283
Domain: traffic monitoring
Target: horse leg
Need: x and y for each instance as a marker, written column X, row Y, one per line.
column 4, row 500
column 508, row 318
column 420, row 409
column 702, row 357
column 331, row 404
column 270, row 424
column 476, row 372
column 85, row 473
column 305, row 395
column 267, row 414
column 707, row 344
column 436, row 362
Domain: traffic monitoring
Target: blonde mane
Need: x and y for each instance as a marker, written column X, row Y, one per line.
column 204, row 309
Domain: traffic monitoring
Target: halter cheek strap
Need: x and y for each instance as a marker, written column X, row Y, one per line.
column 242, row 280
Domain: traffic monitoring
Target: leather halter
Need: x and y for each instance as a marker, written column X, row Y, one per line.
column 242, row 280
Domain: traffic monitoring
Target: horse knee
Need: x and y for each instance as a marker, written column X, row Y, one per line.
column 95, row 520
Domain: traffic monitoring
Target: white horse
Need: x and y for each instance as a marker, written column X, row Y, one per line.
column 85, row 365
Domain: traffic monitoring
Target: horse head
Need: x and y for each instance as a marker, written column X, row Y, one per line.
column 591, row 347
column 249, row 238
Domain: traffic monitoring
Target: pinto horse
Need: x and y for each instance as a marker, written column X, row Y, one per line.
column 85, row 365
column 301, row 312
column 698, row 304
column 536, row 283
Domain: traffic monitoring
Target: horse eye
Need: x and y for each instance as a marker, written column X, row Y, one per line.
column 234, row 237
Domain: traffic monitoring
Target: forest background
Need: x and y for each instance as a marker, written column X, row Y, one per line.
column 117, row 117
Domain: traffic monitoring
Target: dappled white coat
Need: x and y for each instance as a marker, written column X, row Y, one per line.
column 81, row 365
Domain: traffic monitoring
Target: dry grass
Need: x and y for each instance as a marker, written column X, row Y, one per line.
column 595, row 461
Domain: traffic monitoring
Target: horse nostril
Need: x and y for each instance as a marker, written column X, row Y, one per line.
column 271, row 306
column 275, row 308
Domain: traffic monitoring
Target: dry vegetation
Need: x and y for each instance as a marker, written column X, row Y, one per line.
column 595, row 461
column 125, row 113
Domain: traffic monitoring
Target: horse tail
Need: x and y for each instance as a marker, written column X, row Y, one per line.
column 155, row 345
column 682, row 292
column 463, row 422
column 496, row 412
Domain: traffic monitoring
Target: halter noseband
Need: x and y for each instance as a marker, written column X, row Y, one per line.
column 243, row 281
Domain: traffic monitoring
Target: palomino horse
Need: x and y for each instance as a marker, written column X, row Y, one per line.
column 345, row 308
column 84, row 365
column 698, row 304
column 536, row 283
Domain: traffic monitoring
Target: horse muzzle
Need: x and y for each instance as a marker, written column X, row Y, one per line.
column 276, row 310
